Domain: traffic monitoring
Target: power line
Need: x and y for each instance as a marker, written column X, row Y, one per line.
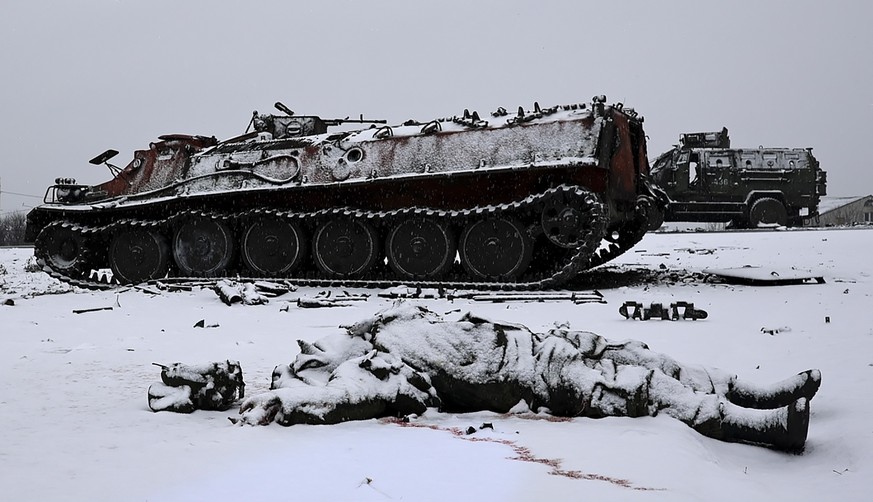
column 21, row 194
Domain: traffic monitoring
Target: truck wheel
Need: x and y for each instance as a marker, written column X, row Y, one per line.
column 654, row 217
column 768, row 211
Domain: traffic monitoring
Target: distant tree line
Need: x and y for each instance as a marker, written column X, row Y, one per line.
column 12, row 228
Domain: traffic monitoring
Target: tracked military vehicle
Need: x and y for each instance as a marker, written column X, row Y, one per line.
column 522, row 200
column 707, row 180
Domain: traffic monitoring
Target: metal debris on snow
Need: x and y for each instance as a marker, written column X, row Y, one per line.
column 636, row 310
column 202, row 324
column 326, row 299
column 233, row 292
column 96, row 309
column 759, row 276
column 576, row 297
column 774, row 331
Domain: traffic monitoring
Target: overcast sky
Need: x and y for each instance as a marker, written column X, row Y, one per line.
column 79, row 77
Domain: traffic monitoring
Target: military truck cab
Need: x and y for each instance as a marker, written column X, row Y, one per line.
column 708, row 181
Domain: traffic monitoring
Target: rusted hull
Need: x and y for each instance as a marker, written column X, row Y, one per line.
column 451, row 191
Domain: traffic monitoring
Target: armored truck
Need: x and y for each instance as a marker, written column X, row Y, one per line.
column 706, row 180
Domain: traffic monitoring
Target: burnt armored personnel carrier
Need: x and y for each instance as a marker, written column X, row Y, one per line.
column 522, row 200
column 707, row 180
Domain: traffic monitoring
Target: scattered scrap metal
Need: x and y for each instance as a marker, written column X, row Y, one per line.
column 249, row 293
column 413, row 293
column 774, row 331
column 202, row 324
column 759, row 276
column 576, row 297
column 327, row 299
column 96, row 309
column 696, row 250
column 636, row 310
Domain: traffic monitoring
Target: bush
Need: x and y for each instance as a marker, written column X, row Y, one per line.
column 12, row 228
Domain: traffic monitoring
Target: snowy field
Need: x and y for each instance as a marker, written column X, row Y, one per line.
column 76, row 425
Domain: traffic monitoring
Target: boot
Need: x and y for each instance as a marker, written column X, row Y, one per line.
column 783, row 429
column 167, row 398
column 777, row 395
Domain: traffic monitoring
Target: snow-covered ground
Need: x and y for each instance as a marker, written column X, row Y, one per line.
column 76, row 425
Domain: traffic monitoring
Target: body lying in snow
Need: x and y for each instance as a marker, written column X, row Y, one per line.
column 406, row 359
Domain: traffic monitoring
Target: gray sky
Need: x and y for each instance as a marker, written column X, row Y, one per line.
column 79, row 77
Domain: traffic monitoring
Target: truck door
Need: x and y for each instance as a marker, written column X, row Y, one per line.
column 716, row 175
column 681, row 176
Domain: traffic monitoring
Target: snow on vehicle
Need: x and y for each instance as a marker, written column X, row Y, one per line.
column 523, row 200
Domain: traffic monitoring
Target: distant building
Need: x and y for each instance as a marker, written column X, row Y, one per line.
column 840, row 211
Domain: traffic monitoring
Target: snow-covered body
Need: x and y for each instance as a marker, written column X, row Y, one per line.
column 407, row 358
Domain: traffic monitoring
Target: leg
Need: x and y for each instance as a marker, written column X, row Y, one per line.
column 783, row 428
column 699, row 378
column 711, row 415
column 802, row 385
column 712, row 380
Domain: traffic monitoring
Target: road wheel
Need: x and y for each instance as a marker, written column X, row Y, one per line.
column 768, row 211
column 420, row 248
column 273, row 247
column 495, row 249
column 138, row 255
column 63, row 249
column 345, row 248
column 203, row 247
